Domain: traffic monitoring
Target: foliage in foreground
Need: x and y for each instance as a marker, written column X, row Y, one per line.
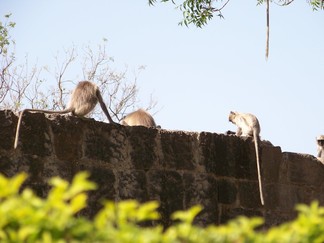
column 24, row 217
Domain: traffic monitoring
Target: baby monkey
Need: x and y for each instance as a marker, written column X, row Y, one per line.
column 138, row 118
column 248, row 125
column 320, row 148
column 83, row 100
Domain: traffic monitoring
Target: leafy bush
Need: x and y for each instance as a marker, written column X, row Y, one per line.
column 24, row 217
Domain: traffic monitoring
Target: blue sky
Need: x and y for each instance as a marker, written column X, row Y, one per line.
column 197, row 75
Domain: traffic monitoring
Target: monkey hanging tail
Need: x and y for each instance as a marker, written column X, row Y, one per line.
column 256, row 138
column 26, row 110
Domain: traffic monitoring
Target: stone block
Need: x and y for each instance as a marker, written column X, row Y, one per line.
column 283, row 171
column 67, row 137
column 215, row 153
column 201, row 189
column 289, row 196
column 132, row 185
column 228, row 213
column 143, row 146
column 270, row 163
column 8, row 167
column 35, row 169
column 249, row 196
column 227, row 191
column 178, row 150
column 34, row 135
column 8, row 123
column 166, row 187
column 229, row 156
column 275, row 218
column 319, row 194
column 304, row 169
column 105, row 180
column 103, row 142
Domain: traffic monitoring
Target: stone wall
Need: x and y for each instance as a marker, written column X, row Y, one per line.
column 179, row 169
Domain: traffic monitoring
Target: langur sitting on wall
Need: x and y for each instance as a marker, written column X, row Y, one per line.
column 139, row 118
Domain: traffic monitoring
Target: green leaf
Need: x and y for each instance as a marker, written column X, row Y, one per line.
column 148, row 211
column 187, row 216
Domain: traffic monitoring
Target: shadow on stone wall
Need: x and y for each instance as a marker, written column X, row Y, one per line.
column 179, row 169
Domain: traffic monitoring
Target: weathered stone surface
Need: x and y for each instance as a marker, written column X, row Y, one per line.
column 177, row 148
column 132, row 185
column 202, row 189
column 284, row 197
column 8, row 122
column 168, row 189
column 270, row 161
column 105, row 180
column 179, row 169
column 273, row 218
column 102, row 142
column 228, row 213
column 216, row 154
column 67, row 136
column 143, row 146
column 34, row 134
column 249, row 196
column 8, row 165
column 228, row 155
column 304, row 169
column 227, row 191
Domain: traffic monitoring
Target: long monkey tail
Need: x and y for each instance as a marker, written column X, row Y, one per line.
column 103, row 106
column 44, row 111
column 255, row 138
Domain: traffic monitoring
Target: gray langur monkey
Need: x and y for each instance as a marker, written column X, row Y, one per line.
column 138, row 118
column 320, row 148
column 248, row 125
column 83, row 100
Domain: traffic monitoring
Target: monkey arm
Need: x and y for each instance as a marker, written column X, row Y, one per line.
column 319, row 152
column 239, row 131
